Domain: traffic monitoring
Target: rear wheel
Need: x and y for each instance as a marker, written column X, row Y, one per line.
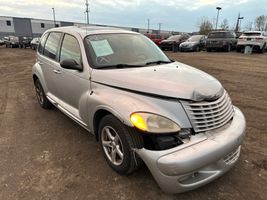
column 208, row 49
column 117, row 142
column 41, row 97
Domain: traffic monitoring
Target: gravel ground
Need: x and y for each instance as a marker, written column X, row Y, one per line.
column 45, row 155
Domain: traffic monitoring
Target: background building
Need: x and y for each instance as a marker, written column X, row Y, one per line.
column 36, row 27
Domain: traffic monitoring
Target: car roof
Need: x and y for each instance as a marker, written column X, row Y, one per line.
column 90, row 30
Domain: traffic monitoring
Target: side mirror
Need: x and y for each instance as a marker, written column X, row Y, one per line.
column 71, row 64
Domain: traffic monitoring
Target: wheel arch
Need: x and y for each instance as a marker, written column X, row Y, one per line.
column 98, row 115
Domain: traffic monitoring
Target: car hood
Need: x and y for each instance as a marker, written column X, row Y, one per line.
column 175, row 80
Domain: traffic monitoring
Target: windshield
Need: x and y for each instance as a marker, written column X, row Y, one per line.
column 217, row 35
column 109, row 50
column 194, row 38
column 174, row 37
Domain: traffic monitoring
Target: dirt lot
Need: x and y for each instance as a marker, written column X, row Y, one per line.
column 45, row 155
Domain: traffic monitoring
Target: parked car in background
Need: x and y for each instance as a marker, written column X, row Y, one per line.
column 12, row 41
column 2, row 42
column 25, row 42
column 173, row 42
column 221, row 40
column 35, row 43
column 157, row 38
column 141, row 106
column 255, row 39
column 194, row 43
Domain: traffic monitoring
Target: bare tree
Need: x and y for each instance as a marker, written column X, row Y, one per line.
column 205, row 26
column 261, row 23
column 224, row 25
column 248, row 26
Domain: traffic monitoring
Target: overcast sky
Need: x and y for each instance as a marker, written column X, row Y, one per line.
column 178, row 15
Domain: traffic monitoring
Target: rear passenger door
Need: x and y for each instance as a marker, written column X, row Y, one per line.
column 48, row 59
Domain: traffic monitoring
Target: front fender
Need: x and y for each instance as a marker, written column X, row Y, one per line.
column 122, row 103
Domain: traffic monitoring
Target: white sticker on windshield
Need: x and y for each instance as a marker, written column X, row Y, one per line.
column 101, row 48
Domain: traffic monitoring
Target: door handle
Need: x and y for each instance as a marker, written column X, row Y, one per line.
column 57, row 71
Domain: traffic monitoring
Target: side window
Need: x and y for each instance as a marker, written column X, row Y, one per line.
column 42, row 43
column 70, row 49
column 51, row 45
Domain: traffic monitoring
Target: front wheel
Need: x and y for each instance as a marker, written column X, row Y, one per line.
column 228, row 48
column 117, row 142
column 263, row 48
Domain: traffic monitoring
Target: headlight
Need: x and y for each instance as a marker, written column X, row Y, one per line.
column 153, row 123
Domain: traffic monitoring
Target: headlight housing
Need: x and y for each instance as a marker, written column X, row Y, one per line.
column 153, row 123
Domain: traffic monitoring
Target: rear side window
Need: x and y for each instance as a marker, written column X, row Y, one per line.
column 70, row 49
column 42, row 43
column 51, row 45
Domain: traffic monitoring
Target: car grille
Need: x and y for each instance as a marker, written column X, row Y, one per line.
column 208, row 115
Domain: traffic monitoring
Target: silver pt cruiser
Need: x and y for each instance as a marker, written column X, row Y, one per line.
column 141, row 106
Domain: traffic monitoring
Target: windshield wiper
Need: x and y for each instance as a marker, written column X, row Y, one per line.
column 158, row 62
column 118, row 66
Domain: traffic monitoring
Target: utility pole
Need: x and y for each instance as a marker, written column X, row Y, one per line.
column 237, row 23
column 160, row 27
column 87, row 11
column 148, row 22
column 54, row 17
column 218, row 8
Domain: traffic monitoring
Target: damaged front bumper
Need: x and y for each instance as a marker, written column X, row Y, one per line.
column 206, row 157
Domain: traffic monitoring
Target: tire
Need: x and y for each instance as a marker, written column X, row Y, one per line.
column 238, row 49
column 197, row 49
column 41, row 97
column 228, row 48
column 262, row 49
column 208, row 49
column 117, row 141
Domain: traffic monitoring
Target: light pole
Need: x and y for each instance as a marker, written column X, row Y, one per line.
column 160, row 27
column 218, row 8
column 148, row 22
column 54, row 17
column 237, row 23
column 87, row 11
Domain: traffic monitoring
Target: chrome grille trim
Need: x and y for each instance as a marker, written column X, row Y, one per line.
column 205, row 116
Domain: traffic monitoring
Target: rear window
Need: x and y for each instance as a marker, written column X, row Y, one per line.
column 251, row 34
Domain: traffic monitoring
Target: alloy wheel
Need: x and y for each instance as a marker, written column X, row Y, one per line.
column 112, row 145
